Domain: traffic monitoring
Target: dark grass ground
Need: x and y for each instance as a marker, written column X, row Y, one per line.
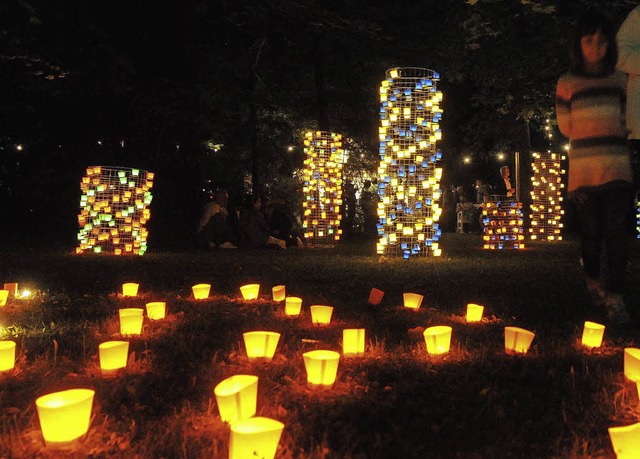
column 476, row 402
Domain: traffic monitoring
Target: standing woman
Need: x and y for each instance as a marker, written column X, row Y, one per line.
column 590, row 107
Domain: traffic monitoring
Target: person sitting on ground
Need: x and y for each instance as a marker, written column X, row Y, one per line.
column 214, row 229
column 281, row 225
column 254, row 227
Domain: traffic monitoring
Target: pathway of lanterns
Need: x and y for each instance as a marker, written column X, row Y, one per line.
column 65, row 416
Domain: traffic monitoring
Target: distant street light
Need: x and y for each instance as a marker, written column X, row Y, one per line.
column 501, row 156
column 467, row 159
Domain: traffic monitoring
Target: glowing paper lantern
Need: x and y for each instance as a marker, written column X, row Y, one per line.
column 279, row 293
column 11, row 287
column 64, row 416
column 321, row 314
column 438, row 339
column 130, row 321
column 4, row 295
column 592, row 334
column 322, row 186
column 255, row 437
column 292, row 305
column 261, row 344
column 412, row 300
column 250, row 291
column 201, row 291
column 546, row 197
column 632, row 363
column 237, row 397
column 156, row 310
column 113, row 356
column 375, row 296
column 503, row 224
column 409, row 184
column 517, row 340
column 114, row 209
column 474, row 312
column 7, row 355
column 626, row 441
column 322, row 368
column 353, row 342
column 130, row 289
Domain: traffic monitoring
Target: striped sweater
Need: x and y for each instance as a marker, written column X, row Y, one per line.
column 590, row 112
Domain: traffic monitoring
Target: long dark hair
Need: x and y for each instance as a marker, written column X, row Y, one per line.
column 588, row 24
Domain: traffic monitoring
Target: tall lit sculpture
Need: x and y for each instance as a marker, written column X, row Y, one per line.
column 546, row 197
column 409, row 181
column 322, row 186
column 114, row 208
column 503, row 224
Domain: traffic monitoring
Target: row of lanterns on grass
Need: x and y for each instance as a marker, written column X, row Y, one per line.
column 64, row 416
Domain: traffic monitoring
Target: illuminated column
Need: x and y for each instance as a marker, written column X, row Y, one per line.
column 322, row 186
column 114, row 208
column 409, row 181
column 546, row 197
column 638, row 215
column 503, row 220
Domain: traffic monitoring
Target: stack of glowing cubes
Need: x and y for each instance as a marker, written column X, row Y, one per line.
column 546, row 197
column 322, row 186
column 114, row 208
column 503, row 222
column 409, row 181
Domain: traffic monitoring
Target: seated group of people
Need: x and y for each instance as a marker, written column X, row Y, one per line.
column 256, row 225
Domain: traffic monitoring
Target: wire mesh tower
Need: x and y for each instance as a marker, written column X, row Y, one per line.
column 409, row 181
column 114, row 208
column 322, row 186
column 546, row 197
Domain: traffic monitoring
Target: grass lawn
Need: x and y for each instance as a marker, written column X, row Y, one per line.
column 395, row 402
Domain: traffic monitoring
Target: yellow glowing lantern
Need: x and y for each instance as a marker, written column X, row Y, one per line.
column 64, row 416
column 156, row 310
column 130, row 289
column 353, row 342
column 546, row 196
column 375, row 296
column 201, row 291
column 255, row 437
column 261, row 344
column 279, row 293
column 321, row 314
column 237, row 397
column 7, row 355
column 130, row 321
column 292, row 305
column 412, row 300
column 11, row 287
column 322, row 367
column 113, row 356
column 517, row 340
column 4, row 295
column 592, row 334
column 250, row 291
column 632, row 363
column 474, row 312
column 626, row 441
column 438, row 339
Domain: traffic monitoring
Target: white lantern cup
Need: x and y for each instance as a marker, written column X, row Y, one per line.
column 237, row 397
column 255, row 438
column 65, row 416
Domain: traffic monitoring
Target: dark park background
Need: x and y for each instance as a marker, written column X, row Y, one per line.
column 222, row 91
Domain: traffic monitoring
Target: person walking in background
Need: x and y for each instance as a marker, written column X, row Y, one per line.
column 590, row 104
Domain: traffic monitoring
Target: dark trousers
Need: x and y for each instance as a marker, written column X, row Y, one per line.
column 603, row 215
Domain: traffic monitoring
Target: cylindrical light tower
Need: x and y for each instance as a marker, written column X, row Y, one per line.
column 409, row 181
column 114, row 208
column 322, row 186
column 546, row 197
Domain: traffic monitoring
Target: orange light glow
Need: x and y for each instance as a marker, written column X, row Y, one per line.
column 156, row 310
column 292, row 305
column 130, row 289
column 517, row 340
column 353, row 342
column 438, row 339
column 64, row 416
column 130, row 321
column 261, row 344
column 7, row 355
column 113, row 356
column 592, row 334
column 322, row 368
column 279, row 293
column 375, row 296
column 201, row 291
column 412, row 300
column 474, row 312
column 250, row 291
column 321, row 315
